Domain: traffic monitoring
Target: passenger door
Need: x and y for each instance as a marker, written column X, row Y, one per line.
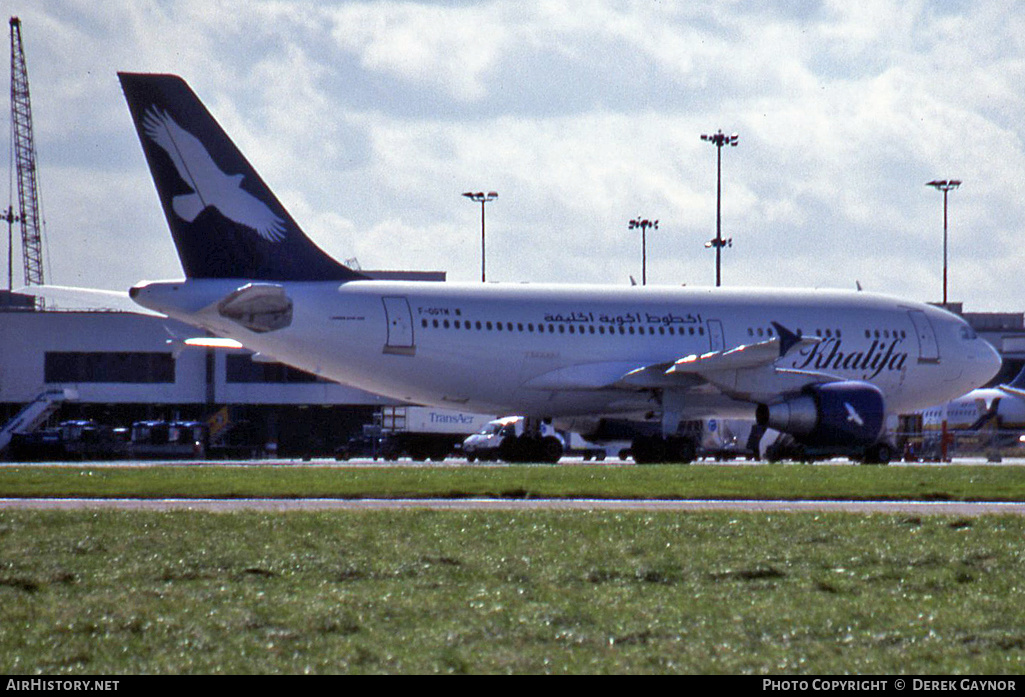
column 400, row 326
column 928, row 348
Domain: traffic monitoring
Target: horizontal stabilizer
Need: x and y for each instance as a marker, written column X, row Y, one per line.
column 213, row 342
column 70, row 298
column 178, row 344
column 1016, row 387
column 1013, row 391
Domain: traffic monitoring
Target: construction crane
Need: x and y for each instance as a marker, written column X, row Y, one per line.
column 24, row 154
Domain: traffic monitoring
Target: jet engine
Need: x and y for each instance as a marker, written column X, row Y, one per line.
column 848, row 413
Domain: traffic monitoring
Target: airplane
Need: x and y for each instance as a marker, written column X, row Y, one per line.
column 1002, row 406
column 826, row 366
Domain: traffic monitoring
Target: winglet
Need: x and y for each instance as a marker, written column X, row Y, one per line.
column 225, row 221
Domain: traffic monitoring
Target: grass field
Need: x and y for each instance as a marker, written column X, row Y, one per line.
column 417, row 591
column 952, row 482
column 425, row 592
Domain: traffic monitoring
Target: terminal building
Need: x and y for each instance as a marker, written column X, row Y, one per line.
column 1005, row 331
column 118, row 368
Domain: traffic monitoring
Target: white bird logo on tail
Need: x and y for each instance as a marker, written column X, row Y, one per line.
column 211, row 186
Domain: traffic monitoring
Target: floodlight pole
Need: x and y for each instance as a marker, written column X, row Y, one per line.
column 482, row 198
column 643, row 225
column 719, row 139
column 946, row 186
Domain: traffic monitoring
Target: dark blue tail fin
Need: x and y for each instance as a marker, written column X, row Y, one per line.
column 225, row 221
column 1019, row 381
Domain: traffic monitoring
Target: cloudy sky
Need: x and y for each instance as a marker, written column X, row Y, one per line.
column 369, row 119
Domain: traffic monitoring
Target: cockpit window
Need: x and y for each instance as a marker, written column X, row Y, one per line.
column 968, row 334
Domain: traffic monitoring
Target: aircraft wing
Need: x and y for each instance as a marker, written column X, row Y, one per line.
column 585, row 376
column 748, row 372
column 740, row 358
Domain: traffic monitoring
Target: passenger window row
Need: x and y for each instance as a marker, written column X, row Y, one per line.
column 650, row 330
column 541, row 328
column 770, row 332
column 831, row 333
column 885, row 334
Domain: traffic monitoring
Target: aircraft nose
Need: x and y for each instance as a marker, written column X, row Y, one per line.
column 989, row 363
column 982, row 363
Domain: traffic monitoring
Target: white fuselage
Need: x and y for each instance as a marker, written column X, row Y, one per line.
column 966, row 411
column 556, row 350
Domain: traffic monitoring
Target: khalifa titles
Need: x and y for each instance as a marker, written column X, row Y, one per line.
column 828, row 354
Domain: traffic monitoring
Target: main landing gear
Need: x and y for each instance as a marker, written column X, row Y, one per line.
column 650, row 450
column 527, row 448
column 787, row 448
column 531, row 445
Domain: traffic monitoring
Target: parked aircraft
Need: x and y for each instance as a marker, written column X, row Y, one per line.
column 826, row 366
column 1002, row 406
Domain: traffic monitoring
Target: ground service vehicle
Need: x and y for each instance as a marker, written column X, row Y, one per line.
column 425, row 433
column 506, row 439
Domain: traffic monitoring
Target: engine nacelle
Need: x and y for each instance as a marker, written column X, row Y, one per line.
column 835, row 413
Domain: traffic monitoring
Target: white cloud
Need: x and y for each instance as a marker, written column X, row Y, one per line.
column 451, row 48
column 370, row 118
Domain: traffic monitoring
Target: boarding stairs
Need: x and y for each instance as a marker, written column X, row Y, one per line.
column 35, row 413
